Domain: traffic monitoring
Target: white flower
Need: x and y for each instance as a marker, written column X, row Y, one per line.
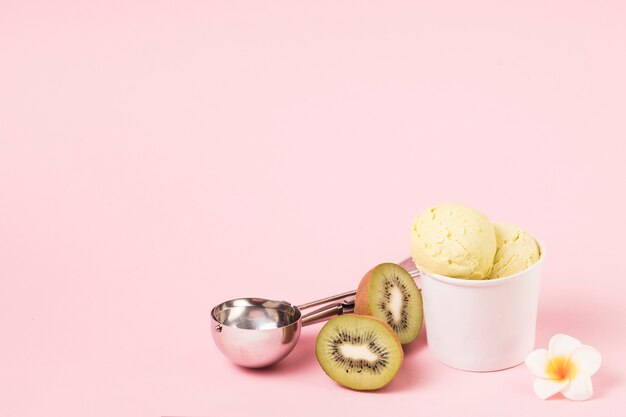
column 566, row 367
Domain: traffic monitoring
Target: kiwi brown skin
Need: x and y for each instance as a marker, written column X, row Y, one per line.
column 361, row 305
column 364, row 299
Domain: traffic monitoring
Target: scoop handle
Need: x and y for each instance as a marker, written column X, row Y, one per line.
column 409, row 265
column 326, row 312
column 345, row 307
column 344, row 295
column 406, row 264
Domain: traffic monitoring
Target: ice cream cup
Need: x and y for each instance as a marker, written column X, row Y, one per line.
column 482, row 325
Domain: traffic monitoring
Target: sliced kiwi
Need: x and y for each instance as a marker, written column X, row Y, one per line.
column 359, row 352
column 388, row 292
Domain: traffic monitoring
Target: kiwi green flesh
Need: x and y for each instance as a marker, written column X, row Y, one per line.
column 395, row 298
column 359, row 352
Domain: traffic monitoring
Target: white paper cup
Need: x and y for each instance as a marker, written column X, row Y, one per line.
column 482, row 325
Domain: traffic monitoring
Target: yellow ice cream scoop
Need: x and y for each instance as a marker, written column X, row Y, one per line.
column 453, row 240
column 516, row 250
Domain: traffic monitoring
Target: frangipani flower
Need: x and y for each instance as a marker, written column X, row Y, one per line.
column 566, row 367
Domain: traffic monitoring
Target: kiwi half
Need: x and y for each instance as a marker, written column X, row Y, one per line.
column 359, row 352
column 388, row 292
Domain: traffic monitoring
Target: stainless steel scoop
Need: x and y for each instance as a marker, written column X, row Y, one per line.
column 255, row 332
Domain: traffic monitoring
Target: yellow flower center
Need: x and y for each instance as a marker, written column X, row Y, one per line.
column 561, row 367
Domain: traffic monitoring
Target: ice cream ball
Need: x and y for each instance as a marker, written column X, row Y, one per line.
column 516, row 250
column 453, row 240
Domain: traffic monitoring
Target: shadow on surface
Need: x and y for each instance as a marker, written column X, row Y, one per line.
column 411, row 374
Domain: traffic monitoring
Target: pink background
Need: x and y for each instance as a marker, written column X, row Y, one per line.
column 157, row 158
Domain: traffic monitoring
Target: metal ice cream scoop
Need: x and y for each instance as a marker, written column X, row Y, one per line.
column 256, row 332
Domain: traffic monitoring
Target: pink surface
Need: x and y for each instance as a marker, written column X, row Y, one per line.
column 157, row 158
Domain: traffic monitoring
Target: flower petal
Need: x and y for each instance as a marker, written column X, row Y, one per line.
column 546, row 388
column 537, row 362
column 579, row 388
column 562, row 345
column 586, row 358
